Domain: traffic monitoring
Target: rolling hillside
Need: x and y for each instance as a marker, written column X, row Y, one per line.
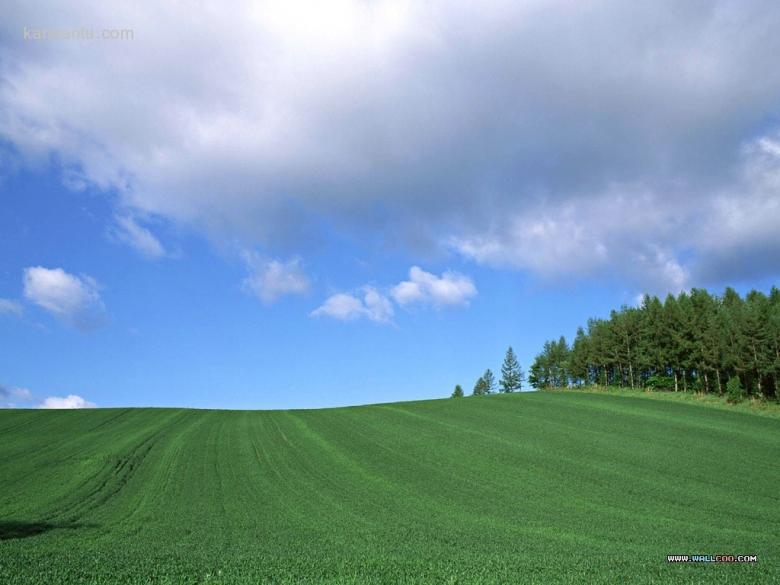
column 530, row 488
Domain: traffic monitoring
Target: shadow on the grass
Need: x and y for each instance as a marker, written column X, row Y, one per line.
column 13, row 529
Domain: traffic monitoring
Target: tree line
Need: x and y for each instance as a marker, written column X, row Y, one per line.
column 512, row 378
column 694, row 341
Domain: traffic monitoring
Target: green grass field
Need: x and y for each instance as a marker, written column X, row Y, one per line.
column 530, row 488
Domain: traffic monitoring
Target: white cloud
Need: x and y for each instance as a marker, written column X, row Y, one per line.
column 738, row 234
column 348, row 307
column 513, row 154
column 128, row 231
column 343, row 306
column 9, row 307
column 660, row 242
column 379, row 307
column 72, row 298
column 14, row 397
column 627, row 231
column 68, row 402
column 270, row 280
column 451, row 288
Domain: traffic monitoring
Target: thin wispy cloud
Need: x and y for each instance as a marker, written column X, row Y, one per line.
column 10, row 307
column 14, row 397
column 270, row 280
column 127, row 230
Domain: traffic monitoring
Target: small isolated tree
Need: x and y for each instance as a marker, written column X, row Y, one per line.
column 734, row 390
column 490, row 381
column 458, row 392
column 480, row 388
column 511, row 374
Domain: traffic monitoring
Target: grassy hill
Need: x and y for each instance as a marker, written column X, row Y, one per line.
column 531, row 488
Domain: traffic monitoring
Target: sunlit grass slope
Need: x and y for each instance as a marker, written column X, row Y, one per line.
column 531, row 488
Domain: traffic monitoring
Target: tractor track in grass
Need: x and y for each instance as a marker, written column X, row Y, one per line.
column 112, row 479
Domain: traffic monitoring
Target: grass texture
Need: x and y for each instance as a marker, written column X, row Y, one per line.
column 750, row 405
column 546, row 487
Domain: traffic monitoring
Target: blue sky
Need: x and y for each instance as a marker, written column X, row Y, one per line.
column 183, row 331
column 298, row 206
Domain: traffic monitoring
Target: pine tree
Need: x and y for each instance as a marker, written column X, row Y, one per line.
column 729, row 332
column 480, row 388
column 541, row 372
column 511, row 374
column 490, row 381
column 458, row 392
column 673, row 342
column 653, row 343
column 537, row 374
column 773, row 326
column 734, row 390
column 684, row 337
column 694, row 341
column 627, row 325
column 579, row 369
column 599, row 349
column 706, row 346
column 560, row 363
column 755, row 331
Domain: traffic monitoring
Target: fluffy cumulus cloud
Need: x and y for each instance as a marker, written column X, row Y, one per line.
column 272, row 279
column 74, row 299
column 15, row 397
column 598, row 138
column 371, row 304
column 68, row 402
column 423, row 287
